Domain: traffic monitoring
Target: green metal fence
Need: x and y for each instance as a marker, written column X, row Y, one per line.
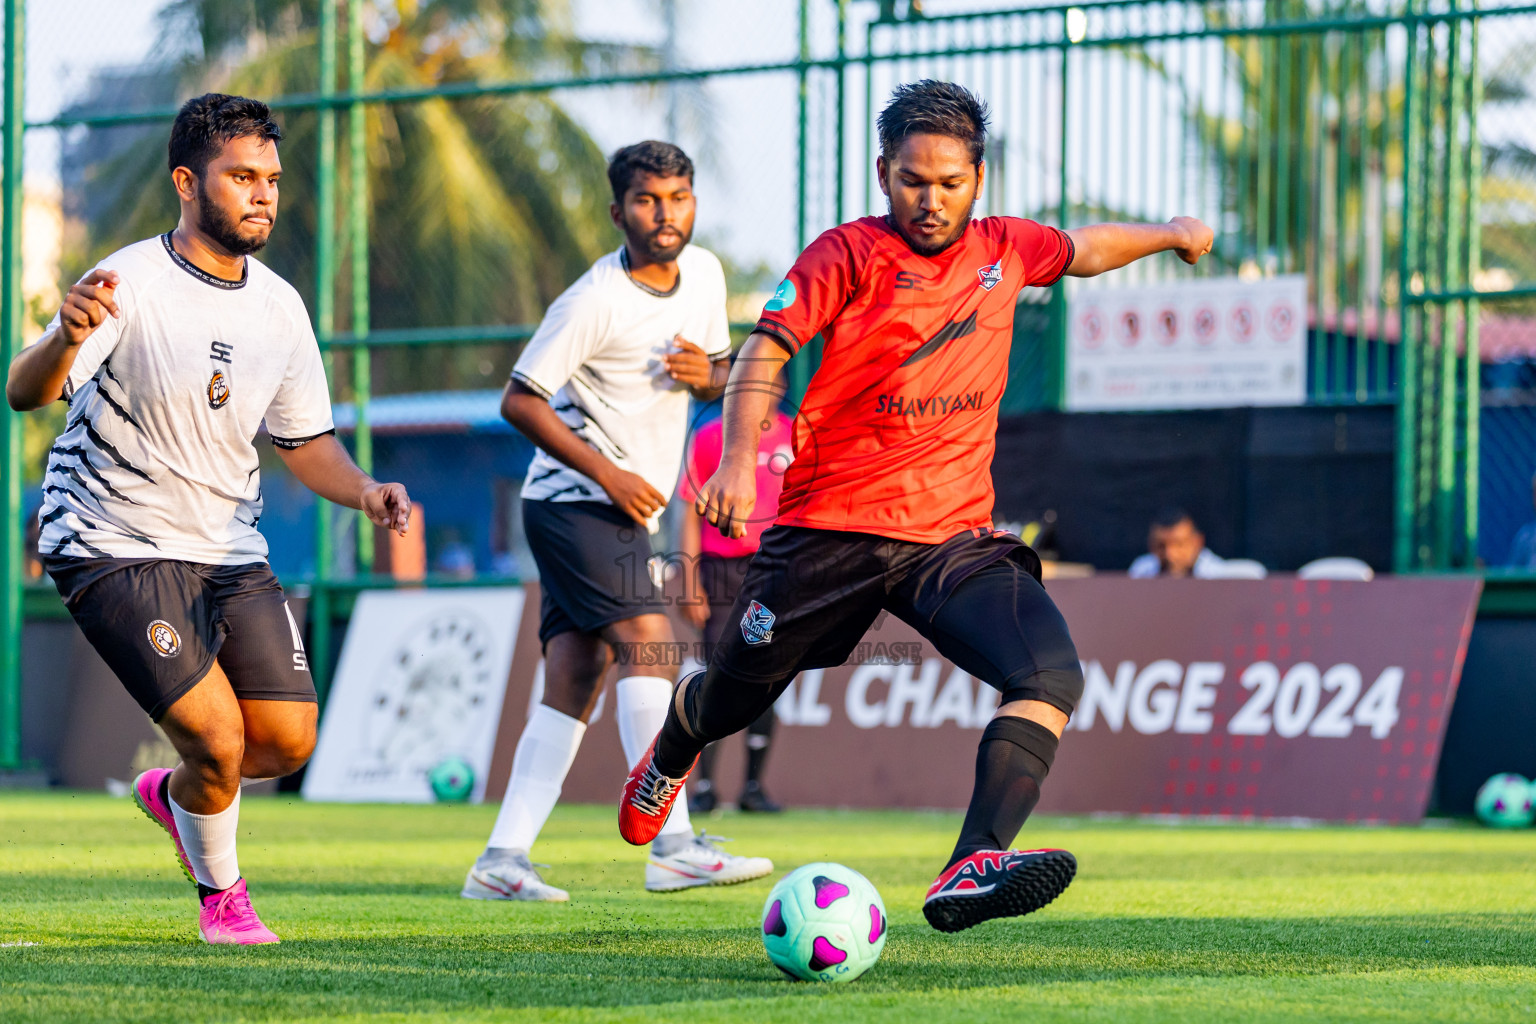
column 1351, row 141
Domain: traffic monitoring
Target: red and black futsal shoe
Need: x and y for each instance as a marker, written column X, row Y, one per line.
column 647, row 799
column 997, row 883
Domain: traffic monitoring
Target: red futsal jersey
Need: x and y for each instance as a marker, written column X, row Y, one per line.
column 898, row 426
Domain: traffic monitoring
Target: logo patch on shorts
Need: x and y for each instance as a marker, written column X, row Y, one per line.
column 757, row 624
column 218, row 390
column 164, row 639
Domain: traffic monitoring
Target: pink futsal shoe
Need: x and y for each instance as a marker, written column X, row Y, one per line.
column 152, row 793
column 227, row 918
column 997, row 883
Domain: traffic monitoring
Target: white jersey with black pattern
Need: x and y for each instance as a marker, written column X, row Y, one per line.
column 157, row 459
column 597, row 357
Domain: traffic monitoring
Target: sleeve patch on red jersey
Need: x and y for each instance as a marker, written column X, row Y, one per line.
column 783, row 298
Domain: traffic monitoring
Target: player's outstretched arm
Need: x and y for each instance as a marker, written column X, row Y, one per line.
column 531, row 414
column 1103, row 247
column 324, row 466
column 727, row 498
column 38, row 373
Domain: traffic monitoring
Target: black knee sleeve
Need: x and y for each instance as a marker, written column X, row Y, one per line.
column 1031, row 737
column 718, row 705
column 1062, row 688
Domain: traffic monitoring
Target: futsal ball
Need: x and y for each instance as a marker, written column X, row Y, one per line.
column 1504, row 801
column 452, row 780
column 824, row 922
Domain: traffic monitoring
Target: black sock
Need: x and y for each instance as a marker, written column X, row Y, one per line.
column 700, row 780
column 716, row 706
column 757, row 753
column 204, row 891
column 759, row 739
column 1012, row 761
column 675, row 746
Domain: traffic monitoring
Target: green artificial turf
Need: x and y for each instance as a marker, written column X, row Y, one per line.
column 1163, row 923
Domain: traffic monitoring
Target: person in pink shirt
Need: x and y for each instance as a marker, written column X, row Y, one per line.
column 721, row 565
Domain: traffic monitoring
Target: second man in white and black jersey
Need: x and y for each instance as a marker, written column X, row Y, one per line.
column 603, row 390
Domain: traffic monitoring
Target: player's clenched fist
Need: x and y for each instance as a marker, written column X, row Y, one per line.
column 688, row 364
column 1199, row 239
column 387, row 505
column 87, row 305
column 727, row 498
column 632, row 494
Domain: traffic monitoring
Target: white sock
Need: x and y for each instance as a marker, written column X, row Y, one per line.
column 544, row 754
column 642, row 702
column 209, row 840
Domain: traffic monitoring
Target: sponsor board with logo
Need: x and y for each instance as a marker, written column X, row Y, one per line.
column 1264, row 698
column 421, row 678
column 1277, row 697
column 1188, row 344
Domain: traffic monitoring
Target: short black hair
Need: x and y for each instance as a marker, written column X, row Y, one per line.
column 660, row 159
column 1172, row 515
column 204, row 124
column 934, row 108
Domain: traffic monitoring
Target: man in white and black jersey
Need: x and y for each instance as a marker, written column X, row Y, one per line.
column 602, row 389
column 171, row 354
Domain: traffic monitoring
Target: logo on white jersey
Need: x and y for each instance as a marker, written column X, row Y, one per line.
column 163, row 638
column 757, row 624
column 218, row 390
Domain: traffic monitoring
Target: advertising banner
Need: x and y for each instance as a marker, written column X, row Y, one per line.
column 1263, row 698
column 421, row 679
column 1188, row 344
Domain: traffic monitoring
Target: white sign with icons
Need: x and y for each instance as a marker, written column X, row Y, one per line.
column 419, row 685
column 1188, row 344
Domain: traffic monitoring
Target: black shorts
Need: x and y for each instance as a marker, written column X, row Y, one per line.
column 721, row 580
column 809, row 597
column 592, row 566
column 159, row 624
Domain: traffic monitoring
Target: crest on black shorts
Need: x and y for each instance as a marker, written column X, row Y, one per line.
column 757, row 624
column 990, row 276
column 164, row 639
column 218, row 390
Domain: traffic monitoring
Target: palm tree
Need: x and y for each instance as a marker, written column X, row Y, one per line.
column 481, row 209
column 1509, row 178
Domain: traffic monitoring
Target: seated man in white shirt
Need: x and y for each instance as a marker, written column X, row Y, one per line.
column 1175, row 547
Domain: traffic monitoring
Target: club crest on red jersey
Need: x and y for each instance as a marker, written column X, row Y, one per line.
column 757, row 624
column 990, row 276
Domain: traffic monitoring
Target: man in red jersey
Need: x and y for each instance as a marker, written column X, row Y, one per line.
column 888, row 503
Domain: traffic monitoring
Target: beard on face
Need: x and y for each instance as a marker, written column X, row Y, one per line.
column 654, row 251
column 225, row 230
column 930, row 247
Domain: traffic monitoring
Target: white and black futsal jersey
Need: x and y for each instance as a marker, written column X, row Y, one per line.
column 158, row 459
column 597, row 358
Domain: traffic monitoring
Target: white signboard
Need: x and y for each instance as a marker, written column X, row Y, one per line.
column 1190, row 344
column 421, row 678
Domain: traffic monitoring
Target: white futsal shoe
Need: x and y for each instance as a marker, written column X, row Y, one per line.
column 508, row 875
column 698, row 861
